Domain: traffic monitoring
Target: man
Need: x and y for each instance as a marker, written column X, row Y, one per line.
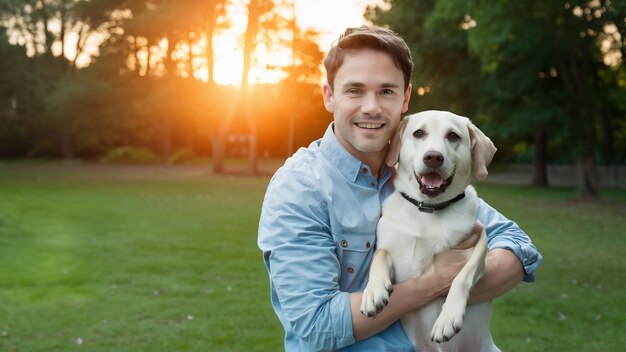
column 318, row 222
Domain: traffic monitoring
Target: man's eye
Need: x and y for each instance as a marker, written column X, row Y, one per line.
column 386, row 92
column 352, row 91
column 419, row 133
column 453, row 137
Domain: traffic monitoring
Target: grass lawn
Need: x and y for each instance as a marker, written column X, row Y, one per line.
column 105, row 258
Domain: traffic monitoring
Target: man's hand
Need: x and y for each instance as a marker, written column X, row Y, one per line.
column 448, row 264
column 503, row 270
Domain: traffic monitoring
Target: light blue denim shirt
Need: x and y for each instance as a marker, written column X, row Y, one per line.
column 318, row 232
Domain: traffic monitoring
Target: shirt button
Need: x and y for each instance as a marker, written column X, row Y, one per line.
column 344, row 243
column 368, row 244
column 373, row 184
column 350, row 270
column 364, row 170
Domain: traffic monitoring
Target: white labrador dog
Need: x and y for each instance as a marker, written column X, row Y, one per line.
column 433, row 208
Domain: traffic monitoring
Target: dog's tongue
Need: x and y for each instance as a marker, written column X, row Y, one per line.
column 432, row 180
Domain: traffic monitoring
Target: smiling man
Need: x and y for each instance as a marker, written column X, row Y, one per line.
column 367, row 97
column 319, row 216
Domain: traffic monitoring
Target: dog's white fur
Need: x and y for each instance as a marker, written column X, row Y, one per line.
column 408, row 239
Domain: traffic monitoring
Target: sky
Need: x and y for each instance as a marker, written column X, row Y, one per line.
column 331, row 23
column 328, row 17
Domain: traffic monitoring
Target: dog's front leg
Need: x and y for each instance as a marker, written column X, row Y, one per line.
column 450, row 321
column 379, row 287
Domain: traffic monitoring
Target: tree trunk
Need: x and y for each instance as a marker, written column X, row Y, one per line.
column 210, row 60
column 136, row 49
column 212, row 16
column 48, row 36
column 252, row 145
column 292, row 135
column 254, row 12
column 190, row 61
column 540, row 157
column 574, row 73
column 166, row 139
column 63, row 13
column 588, row 184
column 170, row 65
column 67, row 147
column 148, row 59
column 219, row 143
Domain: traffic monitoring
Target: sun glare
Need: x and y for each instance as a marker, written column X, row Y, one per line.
column 328, row 17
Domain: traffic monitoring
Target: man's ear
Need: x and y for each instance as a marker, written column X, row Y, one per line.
column 407, row 98
column 329, row 101
column 393, row 153
column 482, row 151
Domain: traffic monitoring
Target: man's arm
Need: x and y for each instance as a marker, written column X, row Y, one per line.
column 413, row 293
column 511, row 258
column 503, row 271
column 300, row 256
column 407, row 296
column 503, row 233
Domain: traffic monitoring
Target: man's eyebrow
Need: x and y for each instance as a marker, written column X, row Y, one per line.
column 390, row 85
column 361, row 84
column 353, row 84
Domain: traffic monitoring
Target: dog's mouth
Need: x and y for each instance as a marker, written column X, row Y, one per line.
column 433, row 184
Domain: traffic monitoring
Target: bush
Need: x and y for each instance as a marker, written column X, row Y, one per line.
column 130, row 155
column 181, row 156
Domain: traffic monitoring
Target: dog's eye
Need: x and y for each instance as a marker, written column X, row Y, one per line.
column 419, row 133
column 453, row 137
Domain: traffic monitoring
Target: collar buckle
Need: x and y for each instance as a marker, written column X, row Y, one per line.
column 425, row 208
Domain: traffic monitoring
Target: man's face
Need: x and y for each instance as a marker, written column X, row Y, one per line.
column 367, row 101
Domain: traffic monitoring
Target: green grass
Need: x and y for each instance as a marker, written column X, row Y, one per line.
column 578, row 300
column 165, row 259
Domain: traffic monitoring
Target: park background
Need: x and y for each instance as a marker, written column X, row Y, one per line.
column 137, row 138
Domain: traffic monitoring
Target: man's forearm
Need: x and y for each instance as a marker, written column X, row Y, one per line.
column 407, row 296
column 503, row 271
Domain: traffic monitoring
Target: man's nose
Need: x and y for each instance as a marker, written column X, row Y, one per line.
column 371, row 105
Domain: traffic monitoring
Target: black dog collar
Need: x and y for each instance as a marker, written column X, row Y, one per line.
column 429, row 208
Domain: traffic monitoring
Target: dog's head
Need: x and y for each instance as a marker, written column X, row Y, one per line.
column 436, row 150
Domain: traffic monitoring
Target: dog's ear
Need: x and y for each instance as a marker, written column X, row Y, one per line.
column 482, row 151
column 393, row 154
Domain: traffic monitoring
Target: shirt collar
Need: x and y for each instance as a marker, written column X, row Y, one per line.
column 334, row 152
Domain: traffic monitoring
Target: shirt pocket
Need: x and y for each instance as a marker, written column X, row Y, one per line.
column 354, row 255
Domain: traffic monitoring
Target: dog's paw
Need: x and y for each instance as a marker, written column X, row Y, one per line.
column 449, row 322
column 375, row 297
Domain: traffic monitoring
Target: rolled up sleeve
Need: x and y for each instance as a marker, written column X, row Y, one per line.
column 301, row 259
column 506, row 234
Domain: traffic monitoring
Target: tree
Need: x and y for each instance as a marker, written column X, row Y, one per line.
column 31, row 20
column 523, row 68
column 152, row 55
column 560, row 43
column 256, row 10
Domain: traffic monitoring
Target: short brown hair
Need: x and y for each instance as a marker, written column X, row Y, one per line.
column 370, row 37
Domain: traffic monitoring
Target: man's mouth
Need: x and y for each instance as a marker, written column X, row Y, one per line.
column 432, row 183
column 370, row 126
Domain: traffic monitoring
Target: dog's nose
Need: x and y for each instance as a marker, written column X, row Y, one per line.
column 433, row 159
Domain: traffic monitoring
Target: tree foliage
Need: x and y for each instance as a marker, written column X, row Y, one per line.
column 547, row 72
column 145, row 89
